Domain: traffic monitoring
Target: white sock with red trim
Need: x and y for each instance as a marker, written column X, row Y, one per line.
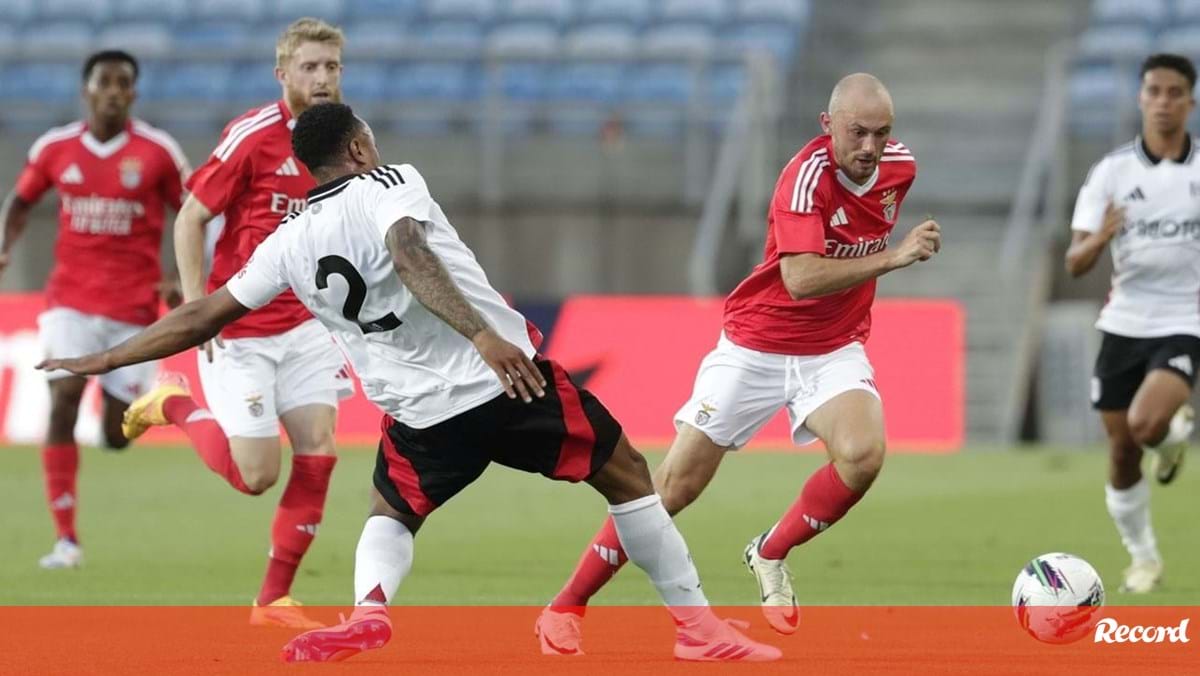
column 382, row 560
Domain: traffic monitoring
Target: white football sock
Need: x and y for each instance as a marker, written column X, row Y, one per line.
column 383, row 558
column 654, row 544
column 1130, row 510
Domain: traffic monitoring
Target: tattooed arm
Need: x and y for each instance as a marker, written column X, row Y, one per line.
column 423, row 273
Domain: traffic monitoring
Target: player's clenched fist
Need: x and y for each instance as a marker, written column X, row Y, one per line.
column 921, row 243
column 517, row 373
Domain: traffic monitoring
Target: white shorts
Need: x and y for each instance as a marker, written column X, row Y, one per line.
column 738, row 390
column 252, row 381
column 65, row 333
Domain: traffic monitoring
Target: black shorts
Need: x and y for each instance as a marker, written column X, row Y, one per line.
column 1124, row 362
column 566, row 435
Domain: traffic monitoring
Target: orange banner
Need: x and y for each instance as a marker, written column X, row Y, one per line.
column 617, row 640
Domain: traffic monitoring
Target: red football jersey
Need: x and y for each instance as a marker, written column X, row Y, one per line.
column 818, row 209
column 254, row 180
column 112, row 198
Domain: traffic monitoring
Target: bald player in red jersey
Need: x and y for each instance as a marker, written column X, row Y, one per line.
column 277, row 364
column 793, row 338
column 115, row 177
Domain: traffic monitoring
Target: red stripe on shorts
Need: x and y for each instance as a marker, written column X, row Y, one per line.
column 404, row 475
column 575, row 455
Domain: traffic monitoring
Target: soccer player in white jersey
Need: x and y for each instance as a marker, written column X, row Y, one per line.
column 374, row 258
column 1143, row 201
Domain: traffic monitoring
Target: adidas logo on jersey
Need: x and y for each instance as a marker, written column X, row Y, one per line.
column 72, row 175
column 288, row 168
column 839, row 218
column 1183, row 363
column 1136, row 195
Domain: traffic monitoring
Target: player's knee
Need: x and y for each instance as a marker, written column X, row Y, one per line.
column 863, row 458
column 1148, row 430
column 258, row 480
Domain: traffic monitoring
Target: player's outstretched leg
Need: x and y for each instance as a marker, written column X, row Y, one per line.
column 1161, row 420
column 851, row 425
column 649, row 537
column 60, row 466
column 1127, row 497
column 171, row 403
column 687, row 469
column 381, row 562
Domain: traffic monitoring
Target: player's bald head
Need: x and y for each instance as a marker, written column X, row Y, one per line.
column 860, row 92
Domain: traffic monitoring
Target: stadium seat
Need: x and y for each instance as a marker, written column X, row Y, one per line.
column 8, row 43
column 705, row 11
column 440, row 82
column 197, row 82
column 227, row 10
column 779, row 11
column 1181, row 40
column 518, row 81
column 289, row 10
column 1115, row 43
column 726, row 84
column 1093, row 85
column 454, row 37
column 1186, row 10
column 608, row 40
column 15, row 11
column 143, row 40
column 375, row 38
column 636, row 12
column 254, row 83
column 553, row 11
column 589, row 82
column 382, row 9
column 167, row 11
column 42, row 82
column 1149, row 12
column 523, row 40
column 96, row 11
column 367, row 83
column 778, row 40
column 480, row 11
column 661, row 83
column 208, row 38
column 677, row 41
column 57, row 39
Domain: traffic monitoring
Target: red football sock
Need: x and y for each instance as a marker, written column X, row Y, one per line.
column 207, row 438
column 824, row 499
column 60, row 464
column 602, row 559
column 296, row 520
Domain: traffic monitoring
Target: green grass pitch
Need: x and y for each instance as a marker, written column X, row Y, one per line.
column 158, row 528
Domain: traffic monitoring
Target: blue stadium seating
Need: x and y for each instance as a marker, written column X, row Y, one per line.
column 558, row 12
column 589, row 82
column 15, row 11
column 457, row 37
column 254, row 83
column 73, row 39
column 480, row 11
column 382, row 9
column 43, row 82
column 776, row 39
column 662, row 83
column 96, row 11
column 197, row 82
column 214, row 38
column 375, row 38
column 1115, row 42
column 707, row 11
column 632, row 11
column 1150, row 12
column 227, row 10
column 8, row 42
column 608, row 40
column 779, row 11
column 678, row 40
column 143, row 40
column 289, row 10
column 523, row 40
column 164, row 11
column 367, row 82
column 1186, row 10
column 436, row 82
column 1183, row 39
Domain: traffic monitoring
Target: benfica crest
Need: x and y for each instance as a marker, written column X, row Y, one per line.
column 131, row 173
column 889, row 205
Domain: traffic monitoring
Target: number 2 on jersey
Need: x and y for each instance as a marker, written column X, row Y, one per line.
column 357, row 293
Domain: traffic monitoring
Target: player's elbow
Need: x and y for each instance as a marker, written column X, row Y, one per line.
column 1075, row 267
column 799, row 287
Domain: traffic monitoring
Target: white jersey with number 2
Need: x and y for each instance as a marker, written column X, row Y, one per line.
column 332, row 254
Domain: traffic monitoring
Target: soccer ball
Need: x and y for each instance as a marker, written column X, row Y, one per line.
column 1057, row 598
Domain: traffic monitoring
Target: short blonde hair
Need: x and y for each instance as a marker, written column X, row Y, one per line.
column 304, row 30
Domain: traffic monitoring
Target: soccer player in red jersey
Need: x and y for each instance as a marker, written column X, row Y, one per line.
column 276, row 364
column 115, row 177
column 793, row 338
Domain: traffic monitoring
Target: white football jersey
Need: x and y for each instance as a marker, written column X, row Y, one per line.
column 332, row 254
column 1156, row 255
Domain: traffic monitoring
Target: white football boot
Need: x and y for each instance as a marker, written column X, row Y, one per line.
column 66, row 554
